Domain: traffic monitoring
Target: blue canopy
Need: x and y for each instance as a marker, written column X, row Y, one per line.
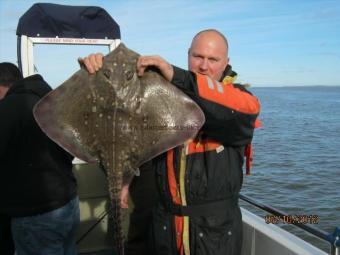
column 52, row 20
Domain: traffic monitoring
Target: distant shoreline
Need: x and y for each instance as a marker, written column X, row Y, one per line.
column 297, row 86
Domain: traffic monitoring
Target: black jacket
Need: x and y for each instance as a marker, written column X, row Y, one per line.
column 213, row 175
column 35, row 173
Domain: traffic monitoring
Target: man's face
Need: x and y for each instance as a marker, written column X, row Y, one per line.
column 3, row 91
column 208, row 55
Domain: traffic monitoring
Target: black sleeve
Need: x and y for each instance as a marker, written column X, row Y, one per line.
column 225, row 122
column 8, row 124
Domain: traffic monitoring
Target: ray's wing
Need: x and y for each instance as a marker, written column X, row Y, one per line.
column 68, row 116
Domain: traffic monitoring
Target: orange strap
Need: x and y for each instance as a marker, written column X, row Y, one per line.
column 176, row 199
column 248, row 150
column 171, row 177
column 198, row 146
column 248, row 153
column 258, row 123
column 227, row 95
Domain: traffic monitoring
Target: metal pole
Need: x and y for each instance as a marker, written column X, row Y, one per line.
column 335, row 246
column 93, row 226
column 334, row 250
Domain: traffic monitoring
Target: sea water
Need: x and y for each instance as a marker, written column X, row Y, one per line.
column 297, row 155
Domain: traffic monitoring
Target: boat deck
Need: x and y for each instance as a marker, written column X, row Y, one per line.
column 259, row 238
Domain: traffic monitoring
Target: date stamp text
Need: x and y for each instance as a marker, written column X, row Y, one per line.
column 292, row 219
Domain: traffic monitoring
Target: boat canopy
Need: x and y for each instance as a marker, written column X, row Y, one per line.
column 46, row 23
column 54, row 20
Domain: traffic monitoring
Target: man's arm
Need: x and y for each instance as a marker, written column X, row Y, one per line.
column 230, row 110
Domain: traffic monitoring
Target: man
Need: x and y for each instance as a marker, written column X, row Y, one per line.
column 37, row 187
column 199, row 182
column 6, row 241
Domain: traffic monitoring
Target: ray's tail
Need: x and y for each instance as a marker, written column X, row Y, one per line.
column 117, row 217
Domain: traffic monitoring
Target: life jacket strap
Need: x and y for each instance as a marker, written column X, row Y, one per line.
column 207, row 209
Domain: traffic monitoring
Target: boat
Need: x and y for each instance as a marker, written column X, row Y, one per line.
column 53, row 24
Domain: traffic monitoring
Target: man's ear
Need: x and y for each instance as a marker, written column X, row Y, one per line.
column 226, row 64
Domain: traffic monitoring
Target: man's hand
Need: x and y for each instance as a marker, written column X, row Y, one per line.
column 124, row 197
column 92, row 62
column 156, row 61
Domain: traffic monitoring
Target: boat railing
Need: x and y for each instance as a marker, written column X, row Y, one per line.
column 332, row 238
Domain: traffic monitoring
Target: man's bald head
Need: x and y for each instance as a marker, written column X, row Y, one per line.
column 211, row 33
column 208, row 53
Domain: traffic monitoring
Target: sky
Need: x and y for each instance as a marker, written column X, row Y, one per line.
column 271, row 43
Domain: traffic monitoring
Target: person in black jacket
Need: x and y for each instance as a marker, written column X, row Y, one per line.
column 37, row 187
column 199, row 182
column 8, row 72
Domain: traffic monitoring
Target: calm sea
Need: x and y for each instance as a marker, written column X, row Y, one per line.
column 297, row 154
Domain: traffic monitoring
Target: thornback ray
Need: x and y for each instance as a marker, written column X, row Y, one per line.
column 118, row 119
